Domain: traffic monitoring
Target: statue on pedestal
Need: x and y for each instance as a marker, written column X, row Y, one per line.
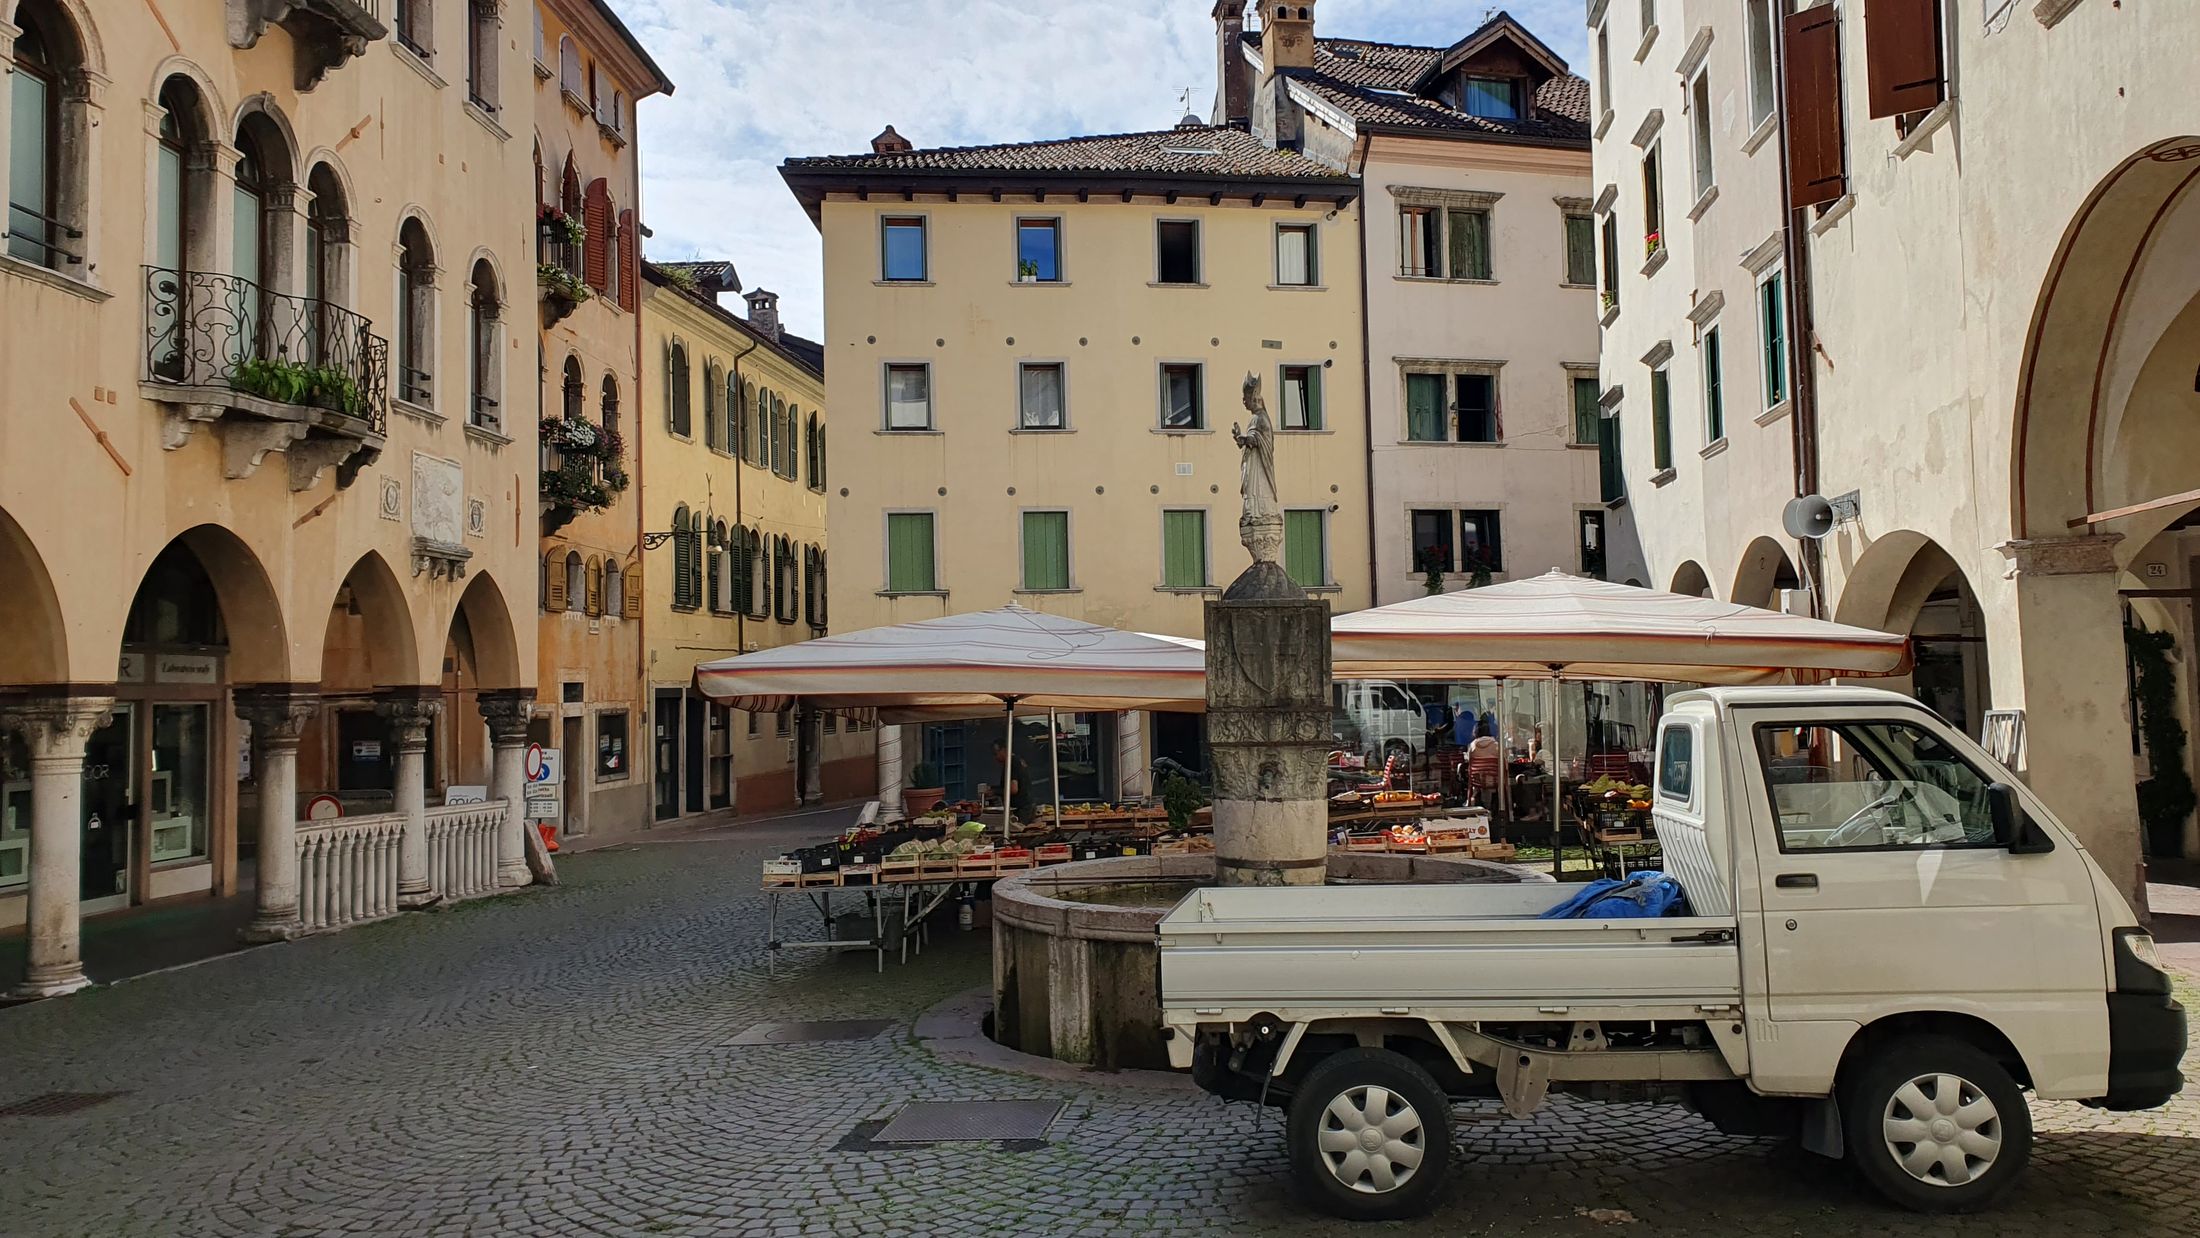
column 1260, row 526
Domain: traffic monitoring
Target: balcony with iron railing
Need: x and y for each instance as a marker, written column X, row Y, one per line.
column 307, row 376
column 40, row 239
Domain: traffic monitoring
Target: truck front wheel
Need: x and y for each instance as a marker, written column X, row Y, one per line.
column 1935, row 1124
column 1370, row 1136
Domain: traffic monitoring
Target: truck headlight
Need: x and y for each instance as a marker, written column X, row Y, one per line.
column 2138, row 967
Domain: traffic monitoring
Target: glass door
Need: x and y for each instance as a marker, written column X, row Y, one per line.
column 177, row 790
column 110, row 810
column 15, row 815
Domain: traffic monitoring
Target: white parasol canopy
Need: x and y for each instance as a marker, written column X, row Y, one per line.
column 1570, row 627
column 965, row 666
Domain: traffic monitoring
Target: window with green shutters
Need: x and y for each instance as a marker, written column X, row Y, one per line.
column 1470, row 244
column 1305, row 549
column 1585, row 410
column 1661, row 421
column 1609, row 470
column 910, row 566
column 1714, row 389
column 1184, row 550
column 1301, row 386
column 1425, row 419
column 1581, row 250
column 1046, row 550
column 1772, row 327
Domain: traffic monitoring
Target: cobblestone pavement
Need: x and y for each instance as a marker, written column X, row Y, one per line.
column 554, row 1064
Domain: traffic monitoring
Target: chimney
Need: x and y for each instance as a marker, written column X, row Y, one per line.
column 1233, row 77
column 890, row 143
column 764, row 307
column 1286, row 36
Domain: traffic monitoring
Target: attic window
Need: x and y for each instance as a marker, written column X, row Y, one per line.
column 1495, row 97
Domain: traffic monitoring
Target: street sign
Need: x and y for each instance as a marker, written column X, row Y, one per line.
column 545, row 770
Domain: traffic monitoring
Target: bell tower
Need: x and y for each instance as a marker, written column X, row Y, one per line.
column 1286, row 36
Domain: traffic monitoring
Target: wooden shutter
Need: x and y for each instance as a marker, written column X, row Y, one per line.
column 717, row 581
column 630, row 258
column 553, row 582
column 1184, row 549
column 1902, row 56
column 595, row 587
column 630, row 600
column 1815, row 159
column 596, row 213
column 1302, row 548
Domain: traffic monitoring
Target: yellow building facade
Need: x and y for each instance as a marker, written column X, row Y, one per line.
column 733, row 425
column 589, row 73
column 1038, row 352
column 255, row 463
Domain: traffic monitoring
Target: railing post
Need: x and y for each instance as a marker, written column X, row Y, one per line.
column 410, row 713
column 507, row 714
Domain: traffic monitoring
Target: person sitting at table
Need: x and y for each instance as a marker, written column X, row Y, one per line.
column 1484, row 762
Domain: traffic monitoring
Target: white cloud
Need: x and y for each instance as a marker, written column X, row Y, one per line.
column 759, row 81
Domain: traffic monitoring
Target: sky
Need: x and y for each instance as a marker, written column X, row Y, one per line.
column 760, row 81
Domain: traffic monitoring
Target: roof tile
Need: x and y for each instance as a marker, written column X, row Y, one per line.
column 1201, row 151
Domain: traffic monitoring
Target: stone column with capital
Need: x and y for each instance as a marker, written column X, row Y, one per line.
column 410, row 716
column 891, row 775
column 55, row 730
column 278, row 715
column 507, row 714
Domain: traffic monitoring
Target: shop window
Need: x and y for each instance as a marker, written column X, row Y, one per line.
column 611, row 746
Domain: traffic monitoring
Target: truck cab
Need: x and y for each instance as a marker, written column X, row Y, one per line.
column 1883, row 942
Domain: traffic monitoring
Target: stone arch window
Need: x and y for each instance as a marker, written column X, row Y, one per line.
column 610, row 408
column 415, row 327
column 759, row 450
column 571, row 79
column 576, row 580
column 794, row 427
column 485, row 329
column 328, row 238
column 614, row 589
column 611, row 244
column 571, row 390
column 677, row 415
column 781, row 448
column 760, row 604
column 48, row 117
column 720, row 600
column 710, row 404
column 412, row 23
column 182, row 203
column 540, row 199
column 569, row 201
column 815, row 438
column 483, row 35
column 734, row 413
column 786, row 579
column 680, row 565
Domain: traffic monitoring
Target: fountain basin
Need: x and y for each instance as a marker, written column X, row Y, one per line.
column 1075, row 967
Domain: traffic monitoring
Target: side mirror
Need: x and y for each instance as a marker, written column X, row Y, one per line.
column 2013, row 828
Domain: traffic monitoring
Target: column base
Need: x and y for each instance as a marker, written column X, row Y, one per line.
column 264, row 929
column 58, row 982
column 511, row 874
column 418, row 900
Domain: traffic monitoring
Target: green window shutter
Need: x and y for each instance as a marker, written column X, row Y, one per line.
column 1184, row 550
column 1581, row 256
column 1585, row 410
column 1610, row 472
column 1046, row 550
column 1302, row 548
column 1425, row 408
column 1470, row 244
column 1661, row 421
column 1773, row 315
column 909, row 567
column 1714, row 394
column 1314, row 397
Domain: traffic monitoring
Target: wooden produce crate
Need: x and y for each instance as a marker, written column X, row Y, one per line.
column 782, row 873
column 1012, row 859
column 1492, row 851
column 1051, row 853
column 894, row 869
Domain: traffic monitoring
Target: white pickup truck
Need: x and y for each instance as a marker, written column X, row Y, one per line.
column 1886, row 941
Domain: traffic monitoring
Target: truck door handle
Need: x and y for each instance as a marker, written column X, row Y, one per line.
column 1709, row 937
column 1796, row 881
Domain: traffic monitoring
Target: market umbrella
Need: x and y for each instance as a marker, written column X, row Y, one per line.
column 1561, row 627
column 962, row 666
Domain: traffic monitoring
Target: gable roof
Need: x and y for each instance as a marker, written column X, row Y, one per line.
column 808, row 354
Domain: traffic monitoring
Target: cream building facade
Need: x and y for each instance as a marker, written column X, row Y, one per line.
column 1036, row 354
column 589, row 74
column 733, row 423
column 1955, row 285
column 1479, row 252
column 268, row 532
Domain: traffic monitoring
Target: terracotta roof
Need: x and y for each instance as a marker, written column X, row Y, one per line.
column 1204, row 152
column 811, row 352
column 808, row 354
column 709, row 276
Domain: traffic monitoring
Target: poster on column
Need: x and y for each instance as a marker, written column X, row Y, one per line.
column 545, row 773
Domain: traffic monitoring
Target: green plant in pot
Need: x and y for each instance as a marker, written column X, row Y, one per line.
column 1181, row 797
column 925, row 790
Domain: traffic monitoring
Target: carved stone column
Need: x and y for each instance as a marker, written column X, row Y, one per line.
column 1131, row 762
column 410, row 716
column 891, row 774
column 278, row 716
column 507, row 714
column 55, row 730
column 1268, row 723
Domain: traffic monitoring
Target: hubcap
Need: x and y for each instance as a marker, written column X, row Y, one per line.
column 1942, row 1129
column 1371, row 1139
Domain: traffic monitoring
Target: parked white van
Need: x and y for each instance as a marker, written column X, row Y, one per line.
column 1389, row 718
column 1886, row 942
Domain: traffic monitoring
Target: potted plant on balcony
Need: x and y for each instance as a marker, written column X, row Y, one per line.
column 925, row 790
column 562, row 290
column 1027, row 272
column 558, row 226
column 588, row 474
column 1652, row 242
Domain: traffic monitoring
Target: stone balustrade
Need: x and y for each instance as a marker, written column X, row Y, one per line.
column 462, row 848
column 347, row 870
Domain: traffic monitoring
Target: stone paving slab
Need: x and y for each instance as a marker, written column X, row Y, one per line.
column 553, row 1064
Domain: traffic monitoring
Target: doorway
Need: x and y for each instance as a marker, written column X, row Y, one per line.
column 667, row 771
column 110, row 810
column 574, row 757
column 693, row 735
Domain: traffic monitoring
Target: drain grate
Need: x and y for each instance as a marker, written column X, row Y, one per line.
column 811, row 1033
column 959, row 1120
column 54, row 1104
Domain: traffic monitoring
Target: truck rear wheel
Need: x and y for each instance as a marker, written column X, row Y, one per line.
column 1370, row 1136
column 1935, row 1124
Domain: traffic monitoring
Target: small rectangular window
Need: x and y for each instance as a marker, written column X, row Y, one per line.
column 1469, row 244
column 1183, row 404
column 1425, row 409
column 1432, row 543
column 1611, row 260
column 1177, row 243
column 1586, row 413
column 1302, row 397
column 1481, row 544
column 1478, row 421
column 1762, row 85
column 910, row 553
column 1184, row 549
column 1676, row 763
column 1046, row 550
column 1661, row 420
column 1714, row 394
column 1419, row 242
column 908, row 397
column 1653, row 203
column 1590, row 538
column 1772, row 329
column 1306, row 546
column 1604, row 70
column 1581, row 250
column 1494, row 97
column 901, row 244
column 1295, row 259
column 1699, row 129
column 1039, row 251
column 1039, row 397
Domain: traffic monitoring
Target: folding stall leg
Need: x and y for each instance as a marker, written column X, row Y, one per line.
column 878, row 927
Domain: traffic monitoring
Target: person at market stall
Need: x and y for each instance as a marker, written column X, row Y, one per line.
column 1013, row 781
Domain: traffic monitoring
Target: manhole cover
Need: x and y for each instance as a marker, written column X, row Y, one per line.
column 955, row 1120
column 54, row 1104
column 811, row 1033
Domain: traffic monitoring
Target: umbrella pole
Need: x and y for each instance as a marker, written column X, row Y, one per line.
column 1504, row 759
column 1008, row 771
column 1054, row 751
column 1550, row 752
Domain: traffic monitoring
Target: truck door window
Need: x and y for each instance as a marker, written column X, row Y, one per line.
column 1676, row 758
column 1871, row 786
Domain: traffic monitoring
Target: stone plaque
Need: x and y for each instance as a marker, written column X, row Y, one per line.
column 477, row 518
column 393, row 499
column 438, row 493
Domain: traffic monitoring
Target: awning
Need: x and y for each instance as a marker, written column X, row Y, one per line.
column 1576, row 628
